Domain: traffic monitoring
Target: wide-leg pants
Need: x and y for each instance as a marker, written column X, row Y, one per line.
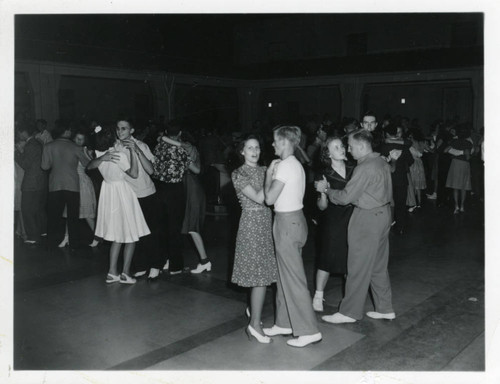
column 293, row 300
column 367, row 260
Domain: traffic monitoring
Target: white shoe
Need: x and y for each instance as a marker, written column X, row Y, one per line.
column 202, row 267
column 302, row 341
column 94, row 243
column 432, row 196
column 378, row 315
column 63, row 243
column 112, row 278
column 139, row 274
column 176, row 272
column 167, row 264
column 275, row 331
column 261, row 339
column 338, row 318
column 318, row 304
column 411, row 209
column 126, row 279
column 153, row 273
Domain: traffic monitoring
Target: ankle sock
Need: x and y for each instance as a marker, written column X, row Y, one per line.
column 318, row 294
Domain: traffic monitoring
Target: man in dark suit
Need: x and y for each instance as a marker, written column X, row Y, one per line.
column 34, row 185
column 400, row 166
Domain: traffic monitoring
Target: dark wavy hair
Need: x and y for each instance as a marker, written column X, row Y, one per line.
column 242, row 143
column 105, row 138
column 324, row 155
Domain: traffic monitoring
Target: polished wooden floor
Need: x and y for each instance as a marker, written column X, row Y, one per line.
column 67, row 318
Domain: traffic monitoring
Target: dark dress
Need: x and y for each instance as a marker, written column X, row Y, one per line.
column 459, row 175
column 194, row 214
column 333, row 222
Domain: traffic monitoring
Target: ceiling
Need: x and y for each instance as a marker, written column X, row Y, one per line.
column 202, row 44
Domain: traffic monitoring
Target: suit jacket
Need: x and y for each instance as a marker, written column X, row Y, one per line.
column 399, row 176
column 35, row 178
column 61, row 156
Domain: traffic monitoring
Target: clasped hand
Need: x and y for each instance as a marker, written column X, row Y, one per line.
column 112, row 156
column 130, row 144
column 321, row 185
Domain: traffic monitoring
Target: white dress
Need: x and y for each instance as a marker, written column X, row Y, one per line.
column 119, row 215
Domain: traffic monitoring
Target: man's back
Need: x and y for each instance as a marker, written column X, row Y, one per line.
column 61, row 156
column 35, row 178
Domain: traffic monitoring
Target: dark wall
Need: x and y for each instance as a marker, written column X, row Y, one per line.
column 312, row 36
column 23, row 98
column 104, row 99
column 291, row 105
column 207, row 107
column 425, row 101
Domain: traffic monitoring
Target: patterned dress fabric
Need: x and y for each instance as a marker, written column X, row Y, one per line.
column 254, row 260
column 171, row 162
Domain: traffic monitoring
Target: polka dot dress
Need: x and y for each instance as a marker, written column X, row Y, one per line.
column 254, row 260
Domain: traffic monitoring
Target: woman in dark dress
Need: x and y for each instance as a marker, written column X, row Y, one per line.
column 332, row 231
column 459, row 175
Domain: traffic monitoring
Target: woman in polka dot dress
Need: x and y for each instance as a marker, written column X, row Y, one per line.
column 254, row 260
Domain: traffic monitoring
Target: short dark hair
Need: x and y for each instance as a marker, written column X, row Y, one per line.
column 463, row 130
column 30, row 129
column 129, row 120
column 42, row 122
column 391, row 129
column 362, row 135
column 60, row 126
column 174, row 127
column 369, row 113
column 105, row 138
column 79, row 131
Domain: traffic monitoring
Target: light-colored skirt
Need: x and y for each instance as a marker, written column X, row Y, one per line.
column 119, row 215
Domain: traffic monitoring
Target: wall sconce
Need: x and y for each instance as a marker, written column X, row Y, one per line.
column 270, row 105
column 403, row 101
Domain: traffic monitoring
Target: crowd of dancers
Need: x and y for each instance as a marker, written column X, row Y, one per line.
column 145, row 194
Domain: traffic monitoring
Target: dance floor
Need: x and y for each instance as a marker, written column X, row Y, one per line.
column 67, row 318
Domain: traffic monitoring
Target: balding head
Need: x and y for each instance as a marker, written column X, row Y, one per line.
column 360, row 143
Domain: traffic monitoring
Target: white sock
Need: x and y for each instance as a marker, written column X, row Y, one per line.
column 318, row 294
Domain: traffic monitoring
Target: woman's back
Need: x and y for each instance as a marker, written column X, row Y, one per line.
column 114, row 172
